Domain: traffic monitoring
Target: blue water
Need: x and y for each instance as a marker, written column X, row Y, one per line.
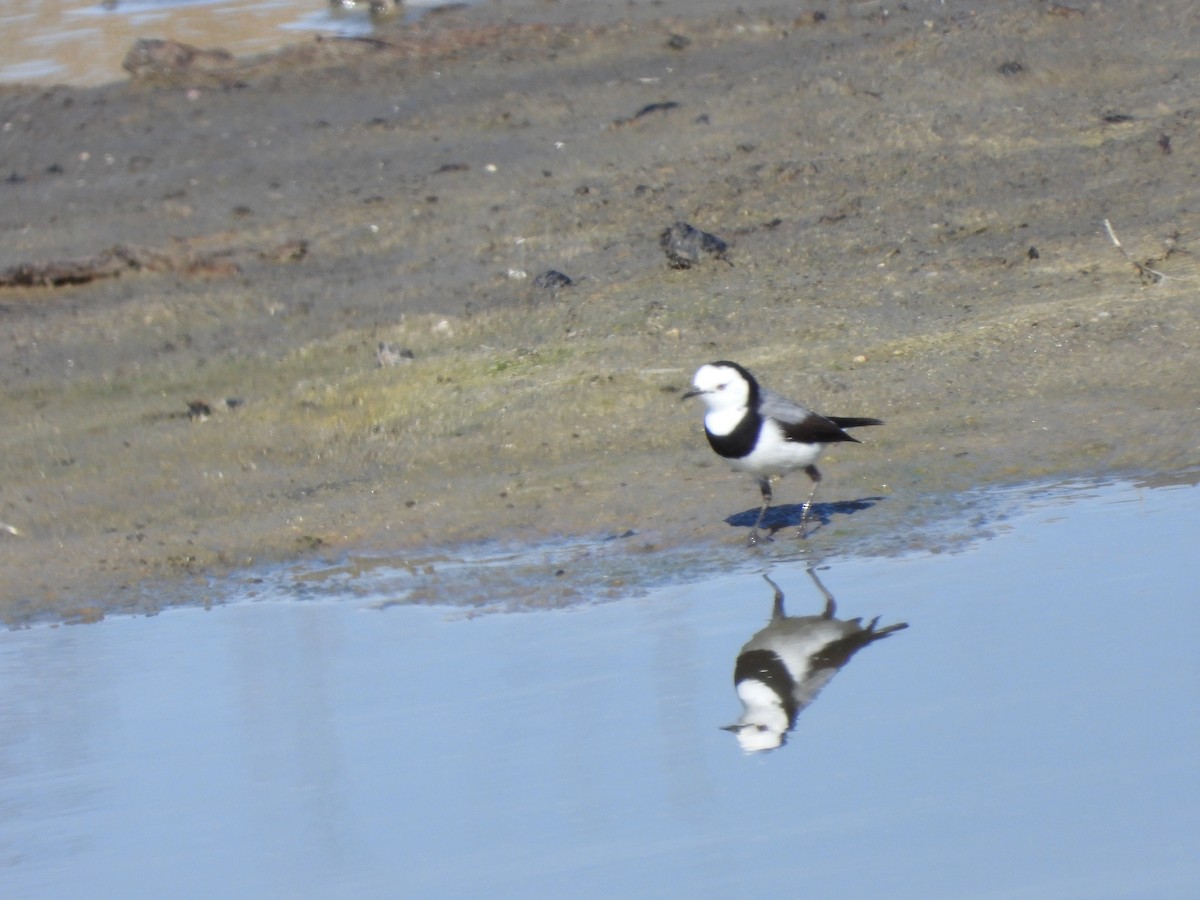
column 1033, row 733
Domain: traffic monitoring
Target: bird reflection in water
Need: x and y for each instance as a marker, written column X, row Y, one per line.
column 782, row 668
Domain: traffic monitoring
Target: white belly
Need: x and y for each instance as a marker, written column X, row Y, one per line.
column 773, row 455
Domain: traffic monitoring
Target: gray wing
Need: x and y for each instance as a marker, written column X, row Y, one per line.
column 780, row 408
column 799, row 423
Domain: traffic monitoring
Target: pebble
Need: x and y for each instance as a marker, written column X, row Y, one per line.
column 552, row 280
column 391, row 355
column 685, row 246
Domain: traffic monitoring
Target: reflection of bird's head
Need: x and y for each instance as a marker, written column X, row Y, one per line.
column 756, row 737
column 764, row 722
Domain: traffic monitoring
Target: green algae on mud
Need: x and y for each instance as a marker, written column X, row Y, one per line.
column 880, row 181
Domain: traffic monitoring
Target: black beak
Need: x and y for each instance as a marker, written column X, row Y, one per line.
column 694, row 392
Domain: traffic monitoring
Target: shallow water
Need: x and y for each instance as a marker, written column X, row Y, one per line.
column 83, row 42
column 1032, row 733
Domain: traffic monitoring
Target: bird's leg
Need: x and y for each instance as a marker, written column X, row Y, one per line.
column 777, row 612
column 815, row 474
column 764, row 485
column 830, row 603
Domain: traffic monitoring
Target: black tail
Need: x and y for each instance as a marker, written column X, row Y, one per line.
column 852, row 422
column 877, row 633
column 838, row 653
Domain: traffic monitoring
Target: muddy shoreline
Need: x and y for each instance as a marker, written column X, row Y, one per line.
column 914, row 202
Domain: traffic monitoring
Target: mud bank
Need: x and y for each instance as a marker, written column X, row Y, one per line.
column 914, row 201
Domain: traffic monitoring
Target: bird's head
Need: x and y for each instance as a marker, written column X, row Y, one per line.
column 723, row 385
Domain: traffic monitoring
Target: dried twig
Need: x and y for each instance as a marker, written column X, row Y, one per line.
column 1148, row 274
column 182, row 257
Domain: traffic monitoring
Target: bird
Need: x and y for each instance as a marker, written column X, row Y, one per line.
column 783, row 667
column 762, row 433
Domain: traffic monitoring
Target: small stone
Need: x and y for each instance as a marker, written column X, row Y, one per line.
column 685, row 246
column 391, row 355
column 198, row 410
column 552, row 280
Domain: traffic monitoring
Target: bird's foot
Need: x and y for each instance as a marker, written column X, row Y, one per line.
column 807, row 527
column 755, row 539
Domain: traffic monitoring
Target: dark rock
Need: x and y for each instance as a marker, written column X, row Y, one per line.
column 552, row 280
column 685, row 246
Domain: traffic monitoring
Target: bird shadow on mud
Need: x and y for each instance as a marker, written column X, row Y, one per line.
column 789, row 515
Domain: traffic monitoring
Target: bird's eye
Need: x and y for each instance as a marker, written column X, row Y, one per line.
column 721, row 387
column 761, row 727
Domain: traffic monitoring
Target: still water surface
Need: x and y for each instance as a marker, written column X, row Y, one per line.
column 1034, row 733
column 83, row 42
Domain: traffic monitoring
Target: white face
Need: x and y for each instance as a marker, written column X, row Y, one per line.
column 757, row 738
column 763, row 723
column 721, row 387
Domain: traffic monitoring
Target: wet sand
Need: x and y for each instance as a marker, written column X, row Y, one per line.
column 914, row 201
